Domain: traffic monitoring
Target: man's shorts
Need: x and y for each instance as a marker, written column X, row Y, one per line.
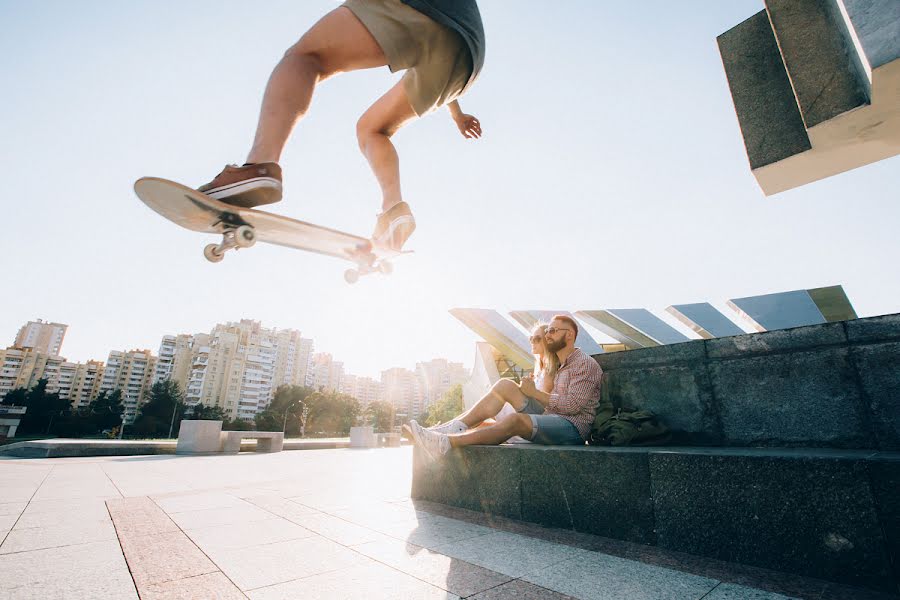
column 552, row 430
column 436, row 58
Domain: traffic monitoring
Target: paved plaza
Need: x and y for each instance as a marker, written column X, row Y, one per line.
column 314, row 524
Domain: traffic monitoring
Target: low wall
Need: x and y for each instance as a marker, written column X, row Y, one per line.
column 831, row 514
column 835, row 385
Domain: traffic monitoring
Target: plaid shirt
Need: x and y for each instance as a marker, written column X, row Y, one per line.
column 576, row 391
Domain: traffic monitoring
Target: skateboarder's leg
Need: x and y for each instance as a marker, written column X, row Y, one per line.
column 339, row 42
column 373, row 131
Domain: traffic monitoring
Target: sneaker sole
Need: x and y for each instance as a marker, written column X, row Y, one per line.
column 248, row 193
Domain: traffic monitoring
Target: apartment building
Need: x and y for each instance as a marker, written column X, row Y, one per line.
column 293, row 356
column 436, row 378
column 24, row 367
column 80, row 382
column 403, row 390
column 327, row 372
column 364, row 389
column 41, row 336
column 132, row 373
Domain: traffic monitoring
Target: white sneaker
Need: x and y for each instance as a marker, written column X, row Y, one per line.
column 434, row 444
column 452, row 426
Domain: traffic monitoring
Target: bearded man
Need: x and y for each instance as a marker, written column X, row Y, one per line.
column 561, row 417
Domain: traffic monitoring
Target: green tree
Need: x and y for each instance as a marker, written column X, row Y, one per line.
column 448, row 406
column 43, row 410
column 105, row 411
column 332, row 413
column 206, row 413
column 16, row 397
column 285, row 411
column 381, row 415
column 156, row 414
column 237, row 425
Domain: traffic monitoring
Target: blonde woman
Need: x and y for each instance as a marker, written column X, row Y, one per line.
column 546, row 364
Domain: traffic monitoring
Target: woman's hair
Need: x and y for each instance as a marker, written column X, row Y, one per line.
column 547, row 362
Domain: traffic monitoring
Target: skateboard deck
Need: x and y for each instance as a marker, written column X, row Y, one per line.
column 243, row 227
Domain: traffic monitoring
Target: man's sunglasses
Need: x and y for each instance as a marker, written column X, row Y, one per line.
column 553, row 330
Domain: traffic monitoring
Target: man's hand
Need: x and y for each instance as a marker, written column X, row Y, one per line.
column 527, row 386
column 468, row 125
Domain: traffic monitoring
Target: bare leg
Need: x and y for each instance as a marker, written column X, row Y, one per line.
column 509, row 426
column 339, row 42
column 503, row 391
column 374, row 131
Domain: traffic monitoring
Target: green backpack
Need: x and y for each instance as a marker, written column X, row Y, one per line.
column 627, row 427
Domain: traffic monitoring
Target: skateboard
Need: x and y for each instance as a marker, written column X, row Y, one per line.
column 243, row 227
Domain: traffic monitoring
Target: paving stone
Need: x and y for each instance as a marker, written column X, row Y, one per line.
column 164, row 557
column 241, row 535
column 454, row 575
column 212, row 586
column 508, row 553
column 270, row 564
column 195, row 519
column 136, row 517
column 95, row 571
column 518, row 589
column 594, row 576
column 12, row 508
column 730, row 591
column 21, row 539
column 433, row 531
column 335, row 529
column 197, row 501
column 50, row 513
column 279, row 506
column 370, row 581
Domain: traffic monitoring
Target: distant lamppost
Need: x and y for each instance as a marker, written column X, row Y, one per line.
column 288, row 408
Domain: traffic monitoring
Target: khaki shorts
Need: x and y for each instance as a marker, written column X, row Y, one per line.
column 436, row 59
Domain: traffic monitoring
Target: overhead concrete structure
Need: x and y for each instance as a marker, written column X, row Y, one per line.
column 633, row 327
column 816, row 87
column 784, row 310
column 498, row 332
column 584, row 341
column 705, row 320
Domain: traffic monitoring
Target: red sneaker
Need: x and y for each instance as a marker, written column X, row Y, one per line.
column 247, row 186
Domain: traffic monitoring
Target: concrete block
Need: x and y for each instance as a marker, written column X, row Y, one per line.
column 884, row 475
column 879, row 374
column 795, row 399
column 766, row 108
column 660, row 355
column 877, row 25
column 362, row 437
column 680, row 394
column 820, row 58
column 811, row 516
column 198, row 437
column 883, row 328
column 602, row 493
column 781, row 340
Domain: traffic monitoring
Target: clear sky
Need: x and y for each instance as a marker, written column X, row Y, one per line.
column 611, row 175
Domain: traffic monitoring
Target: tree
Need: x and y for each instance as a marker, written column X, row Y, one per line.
column 331, row 412
column 16, row 397
column 105, row 411
column 42, row 409
column 205, row 412
column 237, row 425
column 161, row 414
column 285, row 412
column 381, row 415
column 448, row 406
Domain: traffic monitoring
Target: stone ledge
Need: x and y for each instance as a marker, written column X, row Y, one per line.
column 822, row 513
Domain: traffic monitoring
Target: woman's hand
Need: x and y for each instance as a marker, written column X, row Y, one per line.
column 527, row 386
column 468, row 125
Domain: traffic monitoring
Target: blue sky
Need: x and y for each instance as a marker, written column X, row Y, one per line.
column 611, row 175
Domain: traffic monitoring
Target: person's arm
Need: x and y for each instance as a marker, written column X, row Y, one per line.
column 581, row 389
column 468, row 125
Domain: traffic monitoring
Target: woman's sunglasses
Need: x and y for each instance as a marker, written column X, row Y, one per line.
column 536, row 338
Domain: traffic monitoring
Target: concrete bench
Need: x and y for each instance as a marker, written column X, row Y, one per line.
column 266, row 441
column 207, row 437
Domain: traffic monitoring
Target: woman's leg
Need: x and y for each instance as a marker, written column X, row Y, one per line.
column 509, row 426
column 503, row 391
column 339, row 42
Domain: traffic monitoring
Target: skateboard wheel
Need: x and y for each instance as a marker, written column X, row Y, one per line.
column 351, row 275
column 386, row 267
column 212, row 254
column 244, row 236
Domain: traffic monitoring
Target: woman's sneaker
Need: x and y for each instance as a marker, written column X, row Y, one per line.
column 450, row 427
column 247, row 186
column 394, row 226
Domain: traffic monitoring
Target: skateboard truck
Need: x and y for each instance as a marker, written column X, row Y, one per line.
column 242, row 236
column 367, row 262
